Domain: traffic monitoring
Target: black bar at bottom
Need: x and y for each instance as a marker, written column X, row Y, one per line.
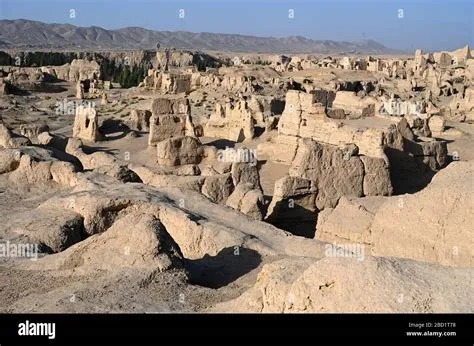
column 222, row 329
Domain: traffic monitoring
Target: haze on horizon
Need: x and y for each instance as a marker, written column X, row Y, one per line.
column 432, row 25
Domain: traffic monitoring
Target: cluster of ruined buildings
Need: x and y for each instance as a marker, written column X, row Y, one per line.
column 427, row 79
column 327, row 159
column 429, row 83
column 303, row 129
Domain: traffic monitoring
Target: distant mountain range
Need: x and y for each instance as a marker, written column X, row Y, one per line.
column 28, row 34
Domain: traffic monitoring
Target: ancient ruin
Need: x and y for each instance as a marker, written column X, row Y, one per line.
column 86, row 124
column 169, row 118
column 249, row 174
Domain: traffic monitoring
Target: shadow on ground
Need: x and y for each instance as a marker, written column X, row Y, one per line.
column 224, row 268
column 294, row 218
column 222, row 143
column 113, row 129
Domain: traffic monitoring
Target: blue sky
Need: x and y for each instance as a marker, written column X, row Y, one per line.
column 427, row 24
